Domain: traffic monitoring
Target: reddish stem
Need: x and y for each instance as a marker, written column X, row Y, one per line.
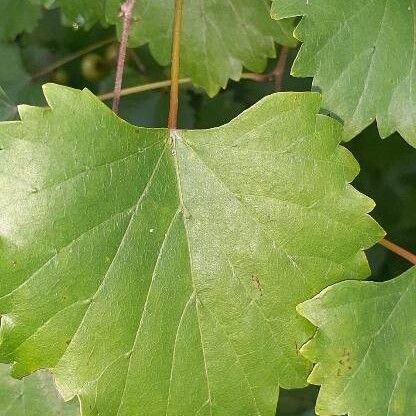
column 126, row 13
column 277, row 74
column 410, row 257
column 279, row 71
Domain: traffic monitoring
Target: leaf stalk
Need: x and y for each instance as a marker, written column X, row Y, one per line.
column 175, row 68
column 126, row 13
column 407, row 255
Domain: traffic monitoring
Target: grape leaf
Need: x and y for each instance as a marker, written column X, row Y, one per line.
column 218, row 37
column 363, row 56
column 35, row 395
column 368, row 367
column 165, row 269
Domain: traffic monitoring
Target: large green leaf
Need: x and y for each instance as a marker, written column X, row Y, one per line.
column 363, row 57
column 218, row 37
column 35, row 395
column 365, row 347
column 159, row 274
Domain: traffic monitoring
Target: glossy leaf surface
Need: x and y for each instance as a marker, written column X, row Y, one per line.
column 165, row 269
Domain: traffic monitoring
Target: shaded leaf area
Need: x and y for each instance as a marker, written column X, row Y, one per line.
column 388, row 175
column 299, row 402
column 150, row 108
column 83, row 13
column 165, row 278
column 14, row 81
column 7, row 109
column 35, row 395
column 362, row 55
column 48, row 43
column 18, row 16
column 218, row 38
column 369, row 367
column 51, row 42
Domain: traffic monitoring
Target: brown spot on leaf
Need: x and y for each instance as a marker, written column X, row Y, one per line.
column 255, row 279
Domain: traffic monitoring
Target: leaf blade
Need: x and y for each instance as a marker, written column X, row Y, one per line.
column 146, row 261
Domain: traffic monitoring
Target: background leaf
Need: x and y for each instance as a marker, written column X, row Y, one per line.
column 83, row 13
column 160, row 278
column 218, row 38
column 13, row 76
column 35, row 395
column 362, row 55
column 368, row 367
column 7, row 109
column 17, row 16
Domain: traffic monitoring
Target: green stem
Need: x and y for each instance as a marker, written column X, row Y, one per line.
column 167, row 83
column 142, row 88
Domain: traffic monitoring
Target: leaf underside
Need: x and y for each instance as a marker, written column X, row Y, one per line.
column 365, row 347
column 36, row 395
column 362, row 55
column 165, row 269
